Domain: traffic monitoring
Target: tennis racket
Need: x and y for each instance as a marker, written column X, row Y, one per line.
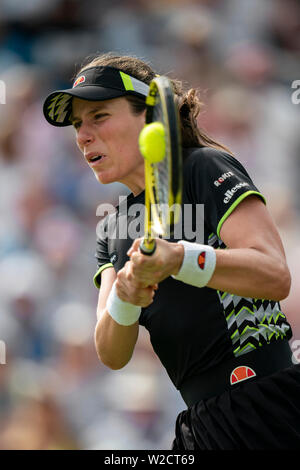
column 163, row 178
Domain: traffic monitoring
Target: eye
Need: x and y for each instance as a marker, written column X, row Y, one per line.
column 100, row 115
column 76, row 124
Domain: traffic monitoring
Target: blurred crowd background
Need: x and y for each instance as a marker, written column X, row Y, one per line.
column 243, row 56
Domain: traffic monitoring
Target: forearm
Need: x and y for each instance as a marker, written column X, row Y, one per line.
column 248, row 272
column 119, row 307
column 253, row 264
column 114, row 343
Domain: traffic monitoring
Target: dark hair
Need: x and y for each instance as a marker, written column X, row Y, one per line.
column 189, row 104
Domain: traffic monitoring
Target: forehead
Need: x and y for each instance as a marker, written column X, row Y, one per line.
column 82, row 107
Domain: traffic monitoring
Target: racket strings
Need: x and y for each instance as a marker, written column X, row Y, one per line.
column 160, row 214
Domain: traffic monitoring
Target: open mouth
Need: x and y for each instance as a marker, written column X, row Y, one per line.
column 96, row 158
column 93, row 159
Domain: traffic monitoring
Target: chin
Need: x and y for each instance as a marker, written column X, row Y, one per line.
column 104, row 179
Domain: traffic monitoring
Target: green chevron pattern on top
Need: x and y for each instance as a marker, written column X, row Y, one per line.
column 251, row 322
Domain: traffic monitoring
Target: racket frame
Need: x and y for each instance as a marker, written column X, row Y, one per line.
column 161, row 86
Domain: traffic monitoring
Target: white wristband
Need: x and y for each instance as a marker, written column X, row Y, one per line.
column 198, row 264
column 122, row 312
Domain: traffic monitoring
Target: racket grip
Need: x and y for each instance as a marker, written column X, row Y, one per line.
column 147, row 247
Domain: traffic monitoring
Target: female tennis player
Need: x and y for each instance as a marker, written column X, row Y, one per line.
column 212, row 309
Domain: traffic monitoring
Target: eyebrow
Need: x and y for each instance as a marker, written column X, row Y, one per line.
column 100, row 107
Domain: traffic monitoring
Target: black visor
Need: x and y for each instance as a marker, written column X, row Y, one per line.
column 93, row 84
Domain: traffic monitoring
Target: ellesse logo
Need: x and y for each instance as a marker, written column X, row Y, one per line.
column 241, row 373
column 201, row 260
column 80, row 79
column 114, row 257
column 230, row 193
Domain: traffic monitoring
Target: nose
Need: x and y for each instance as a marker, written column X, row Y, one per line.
column 85, row 135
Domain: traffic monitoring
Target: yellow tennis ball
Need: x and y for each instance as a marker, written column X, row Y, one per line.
column 152, row 142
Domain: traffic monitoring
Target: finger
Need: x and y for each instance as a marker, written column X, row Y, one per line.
column 136, row 259
column 142, row 264
column 134, row 247
column 147, row 296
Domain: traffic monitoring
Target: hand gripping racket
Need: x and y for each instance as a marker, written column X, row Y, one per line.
column 160, row 145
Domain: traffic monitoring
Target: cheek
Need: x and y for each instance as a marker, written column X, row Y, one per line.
column 126, row 142
column 79, row 146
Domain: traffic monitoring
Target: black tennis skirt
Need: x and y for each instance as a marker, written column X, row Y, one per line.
column 261, row 414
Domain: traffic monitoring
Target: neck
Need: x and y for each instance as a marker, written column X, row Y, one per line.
column 135, row 182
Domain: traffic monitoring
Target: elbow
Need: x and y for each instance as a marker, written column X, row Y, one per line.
column 110, row 362
column 283, row 284
column 106, row 355
column 113, row 366
column 288, row 283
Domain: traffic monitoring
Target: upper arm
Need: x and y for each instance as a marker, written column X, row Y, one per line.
column 250, row 225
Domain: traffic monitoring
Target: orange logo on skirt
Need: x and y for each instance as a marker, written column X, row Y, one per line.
column 241, row 373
